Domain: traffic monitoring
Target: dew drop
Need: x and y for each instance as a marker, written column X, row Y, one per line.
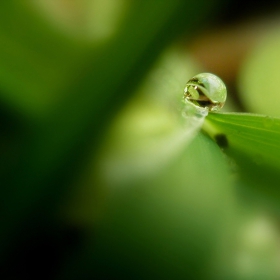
column 207, row 91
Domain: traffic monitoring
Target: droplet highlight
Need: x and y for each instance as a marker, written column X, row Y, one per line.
column 206, row 91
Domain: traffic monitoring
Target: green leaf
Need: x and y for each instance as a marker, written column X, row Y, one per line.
column 253, row 142
column 162, row 225
column 55, row 148
column 258, row 78
column 162, row 194
column 37, row 62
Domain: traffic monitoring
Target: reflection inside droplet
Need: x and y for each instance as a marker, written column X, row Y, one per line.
column 207, row 91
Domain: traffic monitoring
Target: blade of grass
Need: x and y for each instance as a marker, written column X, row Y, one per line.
column 253, row 142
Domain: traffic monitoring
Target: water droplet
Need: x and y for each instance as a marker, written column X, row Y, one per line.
column 207, row 91
column 190, row 111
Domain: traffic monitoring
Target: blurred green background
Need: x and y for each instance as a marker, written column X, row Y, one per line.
column 101, row 175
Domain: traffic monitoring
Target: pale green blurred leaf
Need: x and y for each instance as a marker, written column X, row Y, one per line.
column 37, row 62
column 172, row 218
column 163, row 187
column 259, row 76
column 148, row 132
column 56, row 148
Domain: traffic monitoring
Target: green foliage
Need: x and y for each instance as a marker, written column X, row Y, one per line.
column 259, row 75
column 167, row 224
column 252, row 141
column 145, row 193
